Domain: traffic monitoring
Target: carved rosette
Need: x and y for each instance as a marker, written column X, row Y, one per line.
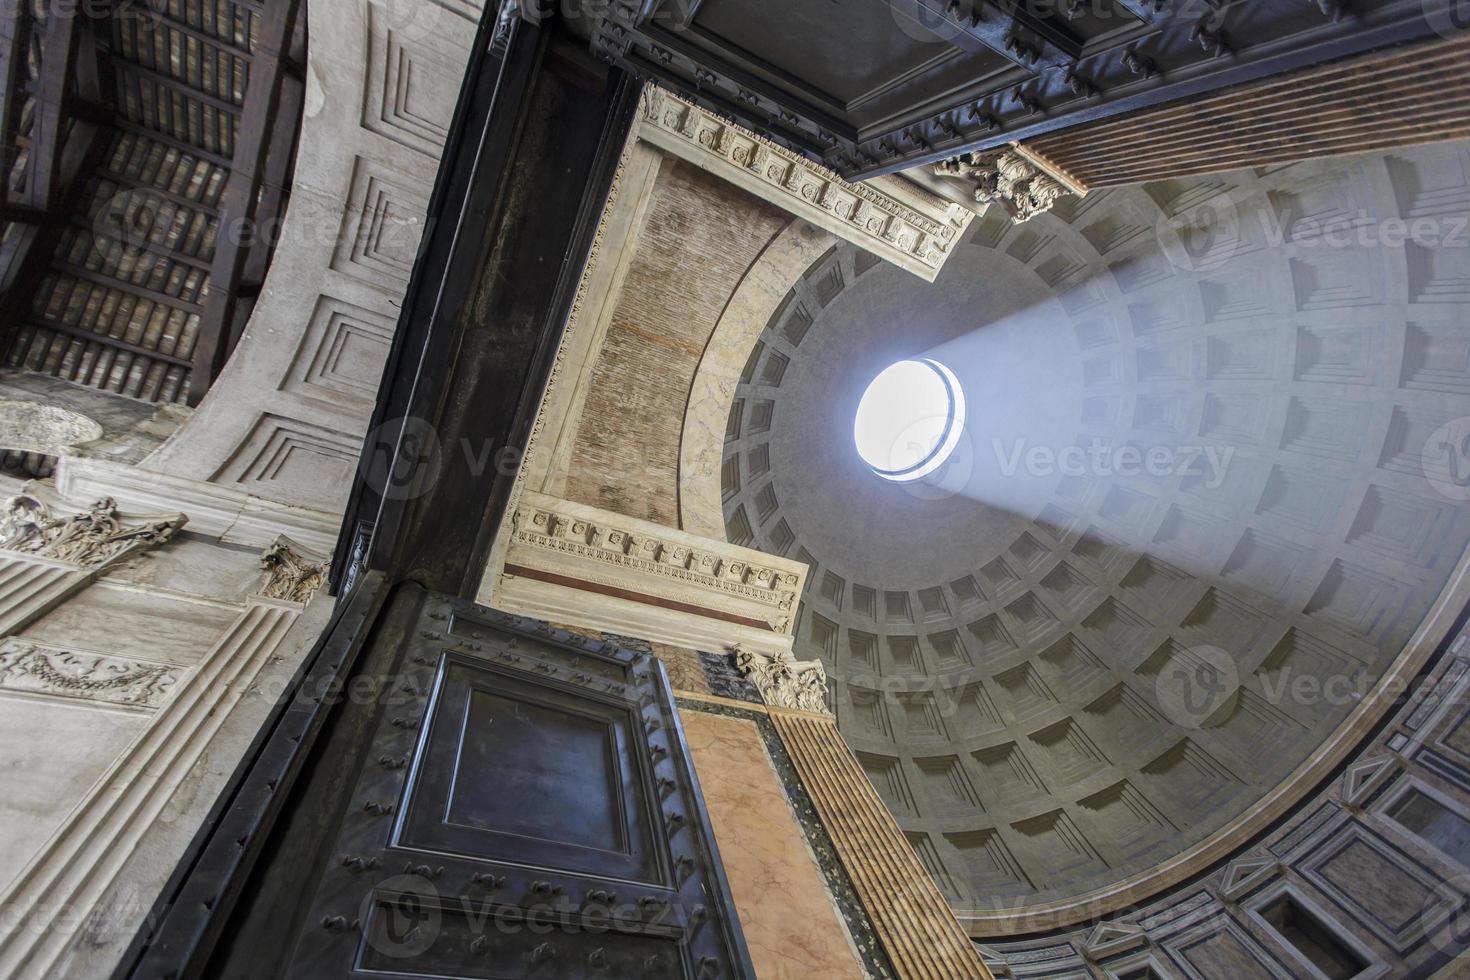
column 784, row 682
column 90, row 539
column 1005, row 177
column 288, row 575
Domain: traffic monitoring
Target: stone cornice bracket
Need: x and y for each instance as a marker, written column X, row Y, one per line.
column 289, row 573
column 891, row 217
column 1022, row 182
column 783, row 682
column 91, row 539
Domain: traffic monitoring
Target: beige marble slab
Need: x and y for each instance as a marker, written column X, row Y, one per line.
column 791, row 926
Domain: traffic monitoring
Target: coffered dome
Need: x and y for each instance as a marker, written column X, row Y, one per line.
column 1204, row 500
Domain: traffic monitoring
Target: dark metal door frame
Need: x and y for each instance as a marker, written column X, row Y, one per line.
column 528, row 164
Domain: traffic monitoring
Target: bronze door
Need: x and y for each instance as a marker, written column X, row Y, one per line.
column 507, row 802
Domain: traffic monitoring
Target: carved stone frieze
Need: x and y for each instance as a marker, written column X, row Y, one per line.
column 289, row 575
column 90, row 539
column 579, row 564
column 648, row 551
column 1016, row 180
column 34, row 669
column 890, row 217
column 784, row 682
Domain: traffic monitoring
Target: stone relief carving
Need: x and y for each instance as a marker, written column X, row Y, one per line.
column 1020, row 185
column 646, row 552
column 784, row 682
column 90, row 539
column 20, row 518
column 289, row 575
column 900, row 222
column 87, row 677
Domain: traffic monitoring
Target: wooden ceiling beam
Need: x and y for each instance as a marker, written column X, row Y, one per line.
column 184, row 89
column 63, row 34
column 159, row 19
column 133, row 183
column 106, row 340
column 104, row 281
column 220, row 324
column 24, row 214
column 25, row 266
column 171, row 141
column 14, row 36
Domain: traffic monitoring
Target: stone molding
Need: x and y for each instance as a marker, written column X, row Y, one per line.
column 1021, row 182
column 288, row 575
column 909, row 913
column 286, row 418
column 227, row 513
column 579, row 564
column 90, row 539
column 98, row 839
column 30, row 668
column 784, row 682
column 888, row 216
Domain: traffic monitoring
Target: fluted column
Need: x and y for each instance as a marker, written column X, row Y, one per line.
column 923, row 939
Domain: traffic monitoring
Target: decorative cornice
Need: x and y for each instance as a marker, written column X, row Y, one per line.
column 214, row 510
column 1046, row 166
column 288, row 575
column 1019, row 181
column 890, row 217
column 574, row 563
column 645, row 550
column 783, row 682
column 90, row 539
column 31, row 669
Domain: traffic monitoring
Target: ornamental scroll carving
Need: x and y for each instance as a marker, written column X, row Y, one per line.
column 620, row 550
column 784, row 682
column 90, row 539
column 1005, row 177
column 288, row 575
column 32, row 669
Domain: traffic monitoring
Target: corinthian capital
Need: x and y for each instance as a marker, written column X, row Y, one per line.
column 91, row 539
column 784, row 682
column 288, row 574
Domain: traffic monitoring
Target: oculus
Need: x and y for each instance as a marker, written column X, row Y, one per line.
column 910, row 419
